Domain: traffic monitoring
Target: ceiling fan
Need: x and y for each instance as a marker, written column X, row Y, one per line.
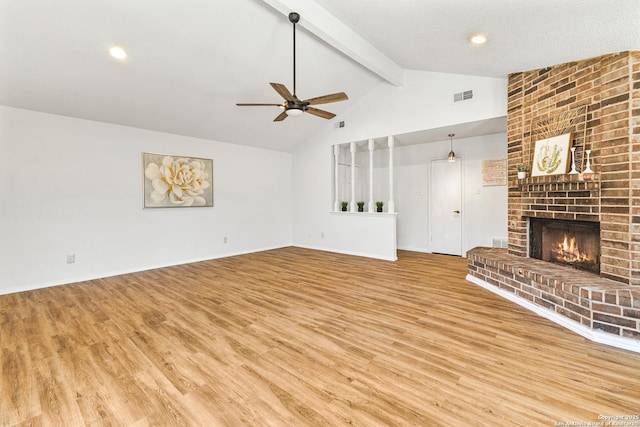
column 292, row 105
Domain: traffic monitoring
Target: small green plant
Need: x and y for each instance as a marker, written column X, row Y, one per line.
column 521, row 167
column 379, row 205
column 344, row 205
column 360, row 204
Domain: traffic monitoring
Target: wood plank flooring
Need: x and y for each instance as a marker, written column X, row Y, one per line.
column 295, row 337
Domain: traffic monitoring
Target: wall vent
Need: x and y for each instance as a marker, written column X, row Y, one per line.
column 463, row 96
column 499, row 242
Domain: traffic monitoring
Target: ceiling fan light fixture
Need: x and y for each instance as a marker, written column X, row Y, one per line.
column 294, row 112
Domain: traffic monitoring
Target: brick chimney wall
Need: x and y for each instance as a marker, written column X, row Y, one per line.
column 607, row 88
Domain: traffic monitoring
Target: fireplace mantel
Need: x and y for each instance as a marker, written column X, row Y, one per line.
column 564, row 182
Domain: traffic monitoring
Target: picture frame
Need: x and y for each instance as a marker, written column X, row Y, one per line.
column 551, row 155
column 171, row 181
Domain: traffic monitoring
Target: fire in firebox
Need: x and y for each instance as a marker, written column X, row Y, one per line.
column 567, row 251
column 572, row 243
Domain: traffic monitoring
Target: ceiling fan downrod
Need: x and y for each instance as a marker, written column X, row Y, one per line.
column 294, row 18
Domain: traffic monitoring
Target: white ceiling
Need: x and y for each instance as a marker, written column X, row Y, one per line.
column 190, row 61
column 523, row 35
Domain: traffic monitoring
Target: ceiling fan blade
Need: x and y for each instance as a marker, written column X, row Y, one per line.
column 320, row 113
column 334, row 97
column 259, row 105
column 281, row 117
column 282, row 91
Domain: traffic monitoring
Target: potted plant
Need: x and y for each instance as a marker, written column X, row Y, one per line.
column 522, row 170
column 344, row 206
column 379, row 206
column 360, row 206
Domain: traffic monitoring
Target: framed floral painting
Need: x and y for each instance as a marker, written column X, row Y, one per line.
column 177, row 181
column 551, row 156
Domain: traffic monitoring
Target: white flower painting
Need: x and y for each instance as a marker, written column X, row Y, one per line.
column 172, row 181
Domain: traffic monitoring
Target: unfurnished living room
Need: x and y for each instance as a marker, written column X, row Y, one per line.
column 320, row 212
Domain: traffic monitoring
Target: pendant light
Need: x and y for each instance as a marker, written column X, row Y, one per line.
column 452, row 156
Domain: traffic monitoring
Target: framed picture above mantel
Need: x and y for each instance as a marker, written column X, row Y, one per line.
column 551, row 155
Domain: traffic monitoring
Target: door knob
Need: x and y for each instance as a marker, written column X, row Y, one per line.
column 456, row 211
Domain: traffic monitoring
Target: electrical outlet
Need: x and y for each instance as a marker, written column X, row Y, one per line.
column 322, row 235
column 225, row 239
column 71, row 259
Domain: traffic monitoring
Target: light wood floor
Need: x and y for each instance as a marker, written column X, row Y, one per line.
column 294, row 337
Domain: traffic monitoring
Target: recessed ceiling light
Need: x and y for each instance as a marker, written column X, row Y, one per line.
column 118, row 53
column 478, row 39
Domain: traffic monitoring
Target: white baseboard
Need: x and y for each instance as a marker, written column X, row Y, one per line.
column 588, row 333
column 414, row 249
column 181, row 262
column 355, row 253
column 103, row 274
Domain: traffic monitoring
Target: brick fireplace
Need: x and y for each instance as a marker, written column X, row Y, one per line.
column 597, row 100
column 609, row 88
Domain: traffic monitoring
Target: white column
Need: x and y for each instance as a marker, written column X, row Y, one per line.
column 352, row 204
column 390, row 142
column 371, row 202
column 336, row 176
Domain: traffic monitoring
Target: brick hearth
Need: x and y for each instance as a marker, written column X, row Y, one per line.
column 597, row 303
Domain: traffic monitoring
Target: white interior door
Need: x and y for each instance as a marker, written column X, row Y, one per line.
column 446, row 207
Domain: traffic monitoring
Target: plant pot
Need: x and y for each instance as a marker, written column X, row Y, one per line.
column 378, row 209
column 344, row 209
column 522, row 174
column 360, row 208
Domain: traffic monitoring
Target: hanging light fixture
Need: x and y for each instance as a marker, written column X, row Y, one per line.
column 452, row 156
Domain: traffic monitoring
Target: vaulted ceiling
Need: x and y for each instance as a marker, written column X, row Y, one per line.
column 189, row 62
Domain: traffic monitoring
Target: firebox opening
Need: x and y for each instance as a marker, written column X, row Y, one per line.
column 571, row 243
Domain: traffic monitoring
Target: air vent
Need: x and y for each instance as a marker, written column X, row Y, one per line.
column 463, row 96
column 499, row 242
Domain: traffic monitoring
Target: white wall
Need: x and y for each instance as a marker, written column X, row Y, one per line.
column 423, row 102
column 484, row 209
column 75, row 187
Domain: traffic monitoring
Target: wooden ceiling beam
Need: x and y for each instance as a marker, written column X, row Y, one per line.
column 328, row 28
